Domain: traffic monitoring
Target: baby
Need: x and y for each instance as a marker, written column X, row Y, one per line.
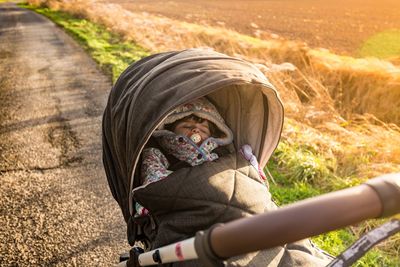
column 187, row 137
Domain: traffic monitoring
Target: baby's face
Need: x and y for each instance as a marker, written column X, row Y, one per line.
column 189, row 127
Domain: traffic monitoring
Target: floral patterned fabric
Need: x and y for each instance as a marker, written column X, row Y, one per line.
column 155, row 164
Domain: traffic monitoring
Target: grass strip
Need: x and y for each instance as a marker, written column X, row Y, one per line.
column 384, row 45
column 109, row 50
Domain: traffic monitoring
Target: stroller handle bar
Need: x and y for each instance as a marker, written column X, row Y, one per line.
column 295, row 222
column 379, row 197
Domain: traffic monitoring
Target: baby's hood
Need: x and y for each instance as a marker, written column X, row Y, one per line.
column 201, row 108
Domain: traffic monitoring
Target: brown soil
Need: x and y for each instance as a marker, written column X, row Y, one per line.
column 339, row 25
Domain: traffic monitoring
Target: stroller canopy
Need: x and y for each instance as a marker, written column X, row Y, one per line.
column 150, row 89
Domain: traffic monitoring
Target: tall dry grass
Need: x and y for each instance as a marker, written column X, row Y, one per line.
column 346, row 106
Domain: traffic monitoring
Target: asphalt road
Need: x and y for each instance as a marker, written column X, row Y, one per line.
column 55, row 205
column 338, row 25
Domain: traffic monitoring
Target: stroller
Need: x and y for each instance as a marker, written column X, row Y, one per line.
column 193, row 199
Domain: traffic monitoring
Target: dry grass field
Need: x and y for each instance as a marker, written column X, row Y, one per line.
column 338, row 25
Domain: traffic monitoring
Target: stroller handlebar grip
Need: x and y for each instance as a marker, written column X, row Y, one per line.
column 388, row 189
column 310, row 217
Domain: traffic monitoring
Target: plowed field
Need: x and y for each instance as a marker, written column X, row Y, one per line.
column 339, row 25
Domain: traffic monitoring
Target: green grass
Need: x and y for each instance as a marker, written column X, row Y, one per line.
column 299, row 170
column 384, row 45
column 109, row 50
column 300, row 173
